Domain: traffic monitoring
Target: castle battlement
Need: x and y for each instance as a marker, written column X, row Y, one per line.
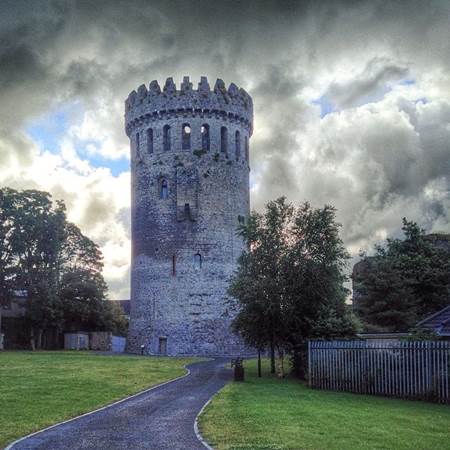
column 154, row 103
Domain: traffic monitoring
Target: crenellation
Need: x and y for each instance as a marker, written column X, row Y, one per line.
column 169, row 87
column 154, row 88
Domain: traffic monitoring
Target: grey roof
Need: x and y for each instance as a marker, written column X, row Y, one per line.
column 125, row 304
column 438, row 322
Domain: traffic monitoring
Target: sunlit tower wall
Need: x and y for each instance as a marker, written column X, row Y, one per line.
column 190, row 191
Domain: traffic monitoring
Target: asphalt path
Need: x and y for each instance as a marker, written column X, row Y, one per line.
column 162, row 418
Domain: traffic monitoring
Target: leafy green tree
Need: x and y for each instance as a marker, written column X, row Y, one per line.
column 290, row 280
column 403, row 282
column 36, row 231
column 258, row 284
column 60, row 268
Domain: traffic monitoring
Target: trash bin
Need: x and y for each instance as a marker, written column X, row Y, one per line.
column 238, row 366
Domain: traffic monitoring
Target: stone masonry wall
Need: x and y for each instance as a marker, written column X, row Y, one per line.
column 187, row 202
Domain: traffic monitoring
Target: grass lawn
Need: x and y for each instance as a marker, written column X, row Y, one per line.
column 269, row 413
column 41, row 388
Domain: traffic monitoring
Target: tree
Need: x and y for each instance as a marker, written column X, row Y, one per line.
column 35, row 233
column 404, row 281
column 290, row 280
column 59, row 268
column 258, row 284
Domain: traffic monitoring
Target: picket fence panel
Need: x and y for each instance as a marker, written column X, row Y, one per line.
column 403, row 369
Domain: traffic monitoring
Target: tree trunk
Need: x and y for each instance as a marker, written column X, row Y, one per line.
column 39, row 339
column 259, row 363
column 280, row 372
column 272, row 357
column 32, row 343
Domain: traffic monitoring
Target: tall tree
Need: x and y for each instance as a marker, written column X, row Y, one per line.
column 405, row 280
column 59, row 268
column 289, row 282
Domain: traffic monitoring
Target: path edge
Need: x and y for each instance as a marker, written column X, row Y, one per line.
column 196, row 429
column 109, row 405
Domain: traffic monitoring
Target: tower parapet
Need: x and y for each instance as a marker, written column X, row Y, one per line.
column 154, row 103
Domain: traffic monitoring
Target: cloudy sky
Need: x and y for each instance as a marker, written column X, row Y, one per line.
column 352, row 104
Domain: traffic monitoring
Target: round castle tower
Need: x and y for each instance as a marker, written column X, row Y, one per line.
column 190, row 191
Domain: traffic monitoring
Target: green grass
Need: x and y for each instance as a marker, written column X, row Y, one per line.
column 269, row 413
column 42, row 388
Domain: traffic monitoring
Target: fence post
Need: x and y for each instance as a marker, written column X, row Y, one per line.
column 309, row 365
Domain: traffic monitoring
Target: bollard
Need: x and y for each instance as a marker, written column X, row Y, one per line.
column 238, row 366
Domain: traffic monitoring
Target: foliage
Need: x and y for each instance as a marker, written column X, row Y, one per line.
column 269, row 413
column 289, row 282
column 406, row 280
column 423, row 334
column 58, row 267
column 40, row 389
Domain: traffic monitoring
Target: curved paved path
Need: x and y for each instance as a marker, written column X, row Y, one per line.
column 160, row 419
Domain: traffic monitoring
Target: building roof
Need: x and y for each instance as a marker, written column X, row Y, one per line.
column 126, row 305
column 439, row 322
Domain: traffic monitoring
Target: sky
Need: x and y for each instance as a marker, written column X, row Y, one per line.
column 351, row 98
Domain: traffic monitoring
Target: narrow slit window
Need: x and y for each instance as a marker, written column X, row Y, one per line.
column 164, row 190
column 150, row 140
column 186, row 137
column 237, row 141
column 187, row 211
column 198, row 261
column 166, row 138
column 246, row 148
column 174, row 265
column 223, row 140
column 205, row 137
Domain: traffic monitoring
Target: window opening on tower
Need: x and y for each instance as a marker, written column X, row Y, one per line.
column 223, row 140
column 166, row 138
column 198, row 260
column 187, row 211
column 186, row 137
column 164, row 190
column 150, row 140
column 205, row 137
column 238, row 145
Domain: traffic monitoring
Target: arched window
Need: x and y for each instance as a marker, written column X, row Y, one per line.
column 205, row 137
column 164, row 190
column 198, row 261
column 150, row 140
column 166, row 138
column 137, row 144
column 186, row 137
column 246, row 148
column 237, row 142
column 223, row 140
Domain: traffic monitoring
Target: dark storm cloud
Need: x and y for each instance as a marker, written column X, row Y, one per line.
column 385, row 154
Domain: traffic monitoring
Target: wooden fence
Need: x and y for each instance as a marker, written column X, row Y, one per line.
column 409, row 369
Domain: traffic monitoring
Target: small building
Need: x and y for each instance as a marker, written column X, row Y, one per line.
column 439, row 323
column 382, row 338
column 125, row 305
column 76, row 341
column 13, row 334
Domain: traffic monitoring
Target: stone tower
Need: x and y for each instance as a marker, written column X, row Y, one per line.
column 190, row 191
